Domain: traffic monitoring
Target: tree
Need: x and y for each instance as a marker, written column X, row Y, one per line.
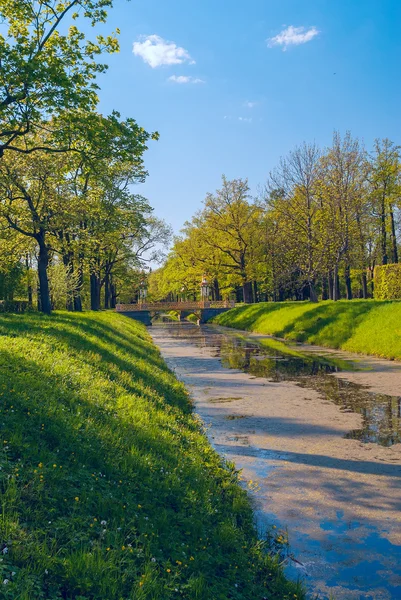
column 53, row 198
column 344, row 195
column 385, row 180
column 230, row 223
column 293, row 193
column 44, row 71
column 32, row 194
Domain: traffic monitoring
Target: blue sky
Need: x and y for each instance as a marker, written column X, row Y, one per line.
column 329, row 64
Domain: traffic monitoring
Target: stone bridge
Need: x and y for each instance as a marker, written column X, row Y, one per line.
column 203, row 310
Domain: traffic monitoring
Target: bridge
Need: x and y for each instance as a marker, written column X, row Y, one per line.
column 205, row 310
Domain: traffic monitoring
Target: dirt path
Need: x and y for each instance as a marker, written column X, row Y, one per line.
column 339, row 498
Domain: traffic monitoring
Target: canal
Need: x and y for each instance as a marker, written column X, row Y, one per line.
column 317, row 436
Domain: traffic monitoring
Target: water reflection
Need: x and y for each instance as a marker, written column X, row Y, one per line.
column 279, row 361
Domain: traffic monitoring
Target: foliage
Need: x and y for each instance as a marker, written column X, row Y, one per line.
column 79, row 207
column 47, row 67
column 110, row 488
column 62, row 284
column 385, row 194
column 322, row 222
column 387, row 280
column 366, row 326
column 221, row 240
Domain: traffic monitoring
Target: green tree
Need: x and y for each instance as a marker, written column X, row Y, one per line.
column 385, row 180
column 344, row 196
column 47, row 67
column 230, row 224
column 293, row 193
column 31, row 203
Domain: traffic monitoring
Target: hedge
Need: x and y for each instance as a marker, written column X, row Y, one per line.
column 387, row 280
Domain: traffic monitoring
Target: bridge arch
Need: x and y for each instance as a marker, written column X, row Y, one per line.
column 142, row 311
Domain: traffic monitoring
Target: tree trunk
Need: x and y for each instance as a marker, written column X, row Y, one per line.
column 312, row 292
column 69, row 268
column 29, row 282
column 336, row 290
column 113, row 289
column 364, row 286
column 216, row 289
column 43, row 263
column 330, row 284
column 247, row 292
column 107, row 291
column 394, row 249
column 95, row 291
column 348, row 286
column 372, row 279
column 78, row 288
column 325, row 294
column 255, row 292
column 383, row 233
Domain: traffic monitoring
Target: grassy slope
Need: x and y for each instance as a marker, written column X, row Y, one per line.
column 367, row 326
column 109, row 488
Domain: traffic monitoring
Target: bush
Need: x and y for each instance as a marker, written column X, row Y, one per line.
column 387, row 280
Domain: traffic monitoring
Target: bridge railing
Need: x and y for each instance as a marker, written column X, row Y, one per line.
column 165, row 306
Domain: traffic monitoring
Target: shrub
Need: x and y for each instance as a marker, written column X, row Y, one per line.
column 387, row 280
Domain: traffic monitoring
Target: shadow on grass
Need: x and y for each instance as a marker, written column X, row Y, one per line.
column 338, row 320
column 114, row 348
column 99, row 430
column 328, row 323
column 246, row 315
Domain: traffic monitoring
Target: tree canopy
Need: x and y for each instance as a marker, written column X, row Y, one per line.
column 324, row 219
column 48, row 67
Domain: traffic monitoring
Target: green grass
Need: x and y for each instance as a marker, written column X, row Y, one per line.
column 365, row 326
column 109, row 487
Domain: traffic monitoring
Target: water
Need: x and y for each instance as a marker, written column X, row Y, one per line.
column 279, row 361
column 323, row 452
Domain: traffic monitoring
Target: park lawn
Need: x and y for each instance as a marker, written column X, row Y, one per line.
column 365, row 326
column 109, row 487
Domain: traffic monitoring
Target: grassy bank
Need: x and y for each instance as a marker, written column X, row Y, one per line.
column 109, row 488
column 367, row 326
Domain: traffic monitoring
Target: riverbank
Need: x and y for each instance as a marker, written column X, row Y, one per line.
column 109, row 485
column 323, row 453
column 362, row 326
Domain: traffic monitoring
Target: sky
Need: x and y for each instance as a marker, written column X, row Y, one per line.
column 232, row 86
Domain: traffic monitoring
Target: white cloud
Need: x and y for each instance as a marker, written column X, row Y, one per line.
column 250, row 104
column 156, row 51
column 293, row 36
column 185, row 79
column 245, row 119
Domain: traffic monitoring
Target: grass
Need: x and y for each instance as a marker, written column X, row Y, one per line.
column 364, row 326
column 109, row 487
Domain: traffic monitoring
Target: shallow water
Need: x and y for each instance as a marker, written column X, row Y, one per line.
column 322, row 452
column 279, row 361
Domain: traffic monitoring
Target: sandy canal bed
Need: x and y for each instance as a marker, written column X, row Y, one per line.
column 339, row 499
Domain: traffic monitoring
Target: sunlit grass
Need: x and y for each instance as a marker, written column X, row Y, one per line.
column 366, row 326
column 109, row 487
